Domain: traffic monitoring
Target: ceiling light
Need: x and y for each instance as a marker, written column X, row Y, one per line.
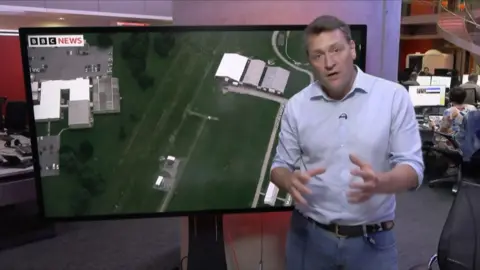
column 61, row 19
column 8, row 32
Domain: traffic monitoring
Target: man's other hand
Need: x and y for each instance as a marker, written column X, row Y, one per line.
column 361, row 191
column 296, row 186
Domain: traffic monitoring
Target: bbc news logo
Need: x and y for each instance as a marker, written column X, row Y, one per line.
column 56, row 41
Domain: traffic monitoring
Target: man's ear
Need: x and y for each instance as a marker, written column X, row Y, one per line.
column 353, row 49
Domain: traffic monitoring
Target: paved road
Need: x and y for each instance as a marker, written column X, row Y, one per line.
column 268, row 154
column 285, row 60
column 246, row 91
column 277, row 123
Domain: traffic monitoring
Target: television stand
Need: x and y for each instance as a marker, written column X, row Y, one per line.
column 206, row 247
column 21, row 225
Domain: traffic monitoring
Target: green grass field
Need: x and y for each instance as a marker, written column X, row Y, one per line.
column 222, row 159
column 295, row 48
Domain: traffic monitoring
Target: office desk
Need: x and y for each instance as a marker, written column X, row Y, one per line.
column 17, row 185
column 17, row 191
column 6, row 172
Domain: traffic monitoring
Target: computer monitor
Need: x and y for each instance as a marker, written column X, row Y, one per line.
column 441, row 80
column 424, row 80
column 427, row 96
column 149, row 121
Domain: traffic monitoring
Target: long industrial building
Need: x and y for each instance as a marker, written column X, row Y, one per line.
column 232, row 66
column 275, row 79
column 52, row 96
column 253, row 73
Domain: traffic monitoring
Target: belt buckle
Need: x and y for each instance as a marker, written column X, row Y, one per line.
column 337, row 234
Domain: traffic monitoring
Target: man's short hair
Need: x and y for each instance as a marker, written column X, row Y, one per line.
column 473, row 77
column 413, row 76
column 327, row 23
column 457, row 95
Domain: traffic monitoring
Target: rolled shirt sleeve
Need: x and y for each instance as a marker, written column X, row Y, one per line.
column 288, row 149
column 405, row 141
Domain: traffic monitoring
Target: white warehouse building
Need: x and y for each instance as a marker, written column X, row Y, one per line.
column 239, row 69
column 232, row 67
column 49, row 98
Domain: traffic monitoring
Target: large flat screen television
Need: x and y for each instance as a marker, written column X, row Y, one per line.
column 151, row 121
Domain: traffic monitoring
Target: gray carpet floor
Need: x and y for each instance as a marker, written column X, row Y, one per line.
column 155, row 243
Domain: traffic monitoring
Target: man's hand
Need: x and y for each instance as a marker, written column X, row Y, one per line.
column 362, row 191
column 296, row 186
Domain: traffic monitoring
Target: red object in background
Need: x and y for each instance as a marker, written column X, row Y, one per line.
column 423, row 7
column 411, row 46
column 11, row 72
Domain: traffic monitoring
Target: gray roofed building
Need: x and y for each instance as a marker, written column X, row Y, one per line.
column 106, row 95
column 275, row 79
column 254, row 72
column 79, row 114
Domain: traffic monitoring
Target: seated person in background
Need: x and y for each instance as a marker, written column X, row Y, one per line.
column 468, row 136
column 425, row 72
column 453, row 117
column 472, row 83
column 412, row 81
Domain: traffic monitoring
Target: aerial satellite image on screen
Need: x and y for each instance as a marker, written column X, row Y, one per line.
column 161, row 122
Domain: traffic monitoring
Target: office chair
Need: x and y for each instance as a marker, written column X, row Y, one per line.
column 460, row 155
column 453, row 155
column 457, row 248
column 2, row 102
column 16, row 117
column 471, row 97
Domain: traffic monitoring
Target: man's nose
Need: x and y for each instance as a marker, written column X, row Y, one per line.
column 329, row 63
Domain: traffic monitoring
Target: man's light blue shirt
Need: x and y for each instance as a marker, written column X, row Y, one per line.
column 375, row 121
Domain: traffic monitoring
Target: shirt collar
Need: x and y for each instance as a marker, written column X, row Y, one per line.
column 360, row 85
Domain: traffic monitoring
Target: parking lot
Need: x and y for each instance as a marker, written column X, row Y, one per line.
column 48, row 148
column 69, row 63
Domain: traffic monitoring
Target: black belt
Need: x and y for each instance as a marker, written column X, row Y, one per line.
column 352, row 231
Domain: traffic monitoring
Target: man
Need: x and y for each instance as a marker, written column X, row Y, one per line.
column 412, row 80
column 472, row 83
column 348, row 142
column 425, row 72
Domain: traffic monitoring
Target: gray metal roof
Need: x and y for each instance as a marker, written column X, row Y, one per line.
column 275, row 78
column 78, row 112
column 254, row 72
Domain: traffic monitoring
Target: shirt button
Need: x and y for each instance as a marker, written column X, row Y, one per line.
column 345, row 175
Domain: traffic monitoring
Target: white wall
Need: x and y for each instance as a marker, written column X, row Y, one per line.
column 382, row 18
column 123, row 8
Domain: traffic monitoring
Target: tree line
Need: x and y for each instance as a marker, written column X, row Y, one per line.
column 135, row 51
column 74, row 162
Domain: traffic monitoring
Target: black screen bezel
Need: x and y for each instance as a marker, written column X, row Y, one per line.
column 25, row 32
